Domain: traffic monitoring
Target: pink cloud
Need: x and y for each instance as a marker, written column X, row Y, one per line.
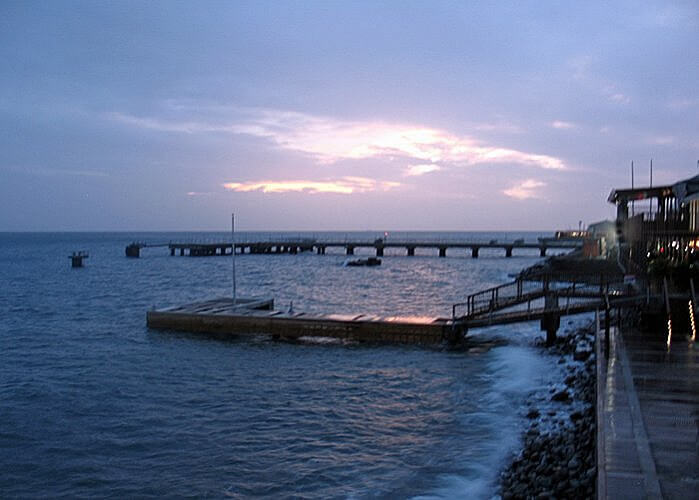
column 527, row 189
column 345, row 185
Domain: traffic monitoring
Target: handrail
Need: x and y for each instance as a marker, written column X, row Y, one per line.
column 521, row 291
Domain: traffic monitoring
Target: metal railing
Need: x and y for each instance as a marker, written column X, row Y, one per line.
column 521, row 291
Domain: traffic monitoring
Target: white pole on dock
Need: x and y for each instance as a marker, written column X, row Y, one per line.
column 233, row 254
column 633, row 203
column 650, row 198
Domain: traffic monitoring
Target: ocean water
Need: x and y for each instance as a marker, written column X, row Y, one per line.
column 94, row 404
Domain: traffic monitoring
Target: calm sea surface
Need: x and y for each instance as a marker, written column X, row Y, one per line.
column 93, row 404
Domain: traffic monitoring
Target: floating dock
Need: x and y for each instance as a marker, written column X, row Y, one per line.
column 251, row 317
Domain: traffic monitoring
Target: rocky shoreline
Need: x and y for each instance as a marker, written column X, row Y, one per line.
column 558, row 455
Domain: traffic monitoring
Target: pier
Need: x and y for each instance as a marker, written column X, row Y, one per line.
column 647, row 413
column 348, row 247
column 519, row 301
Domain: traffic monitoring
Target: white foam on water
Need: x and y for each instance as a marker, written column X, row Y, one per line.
column 459, row 487
column 518, row 372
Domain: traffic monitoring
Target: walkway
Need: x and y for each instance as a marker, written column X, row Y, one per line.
column 648, row 414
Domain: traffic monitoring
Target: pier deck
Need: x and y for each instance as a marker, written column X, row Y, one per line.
column 648, row 416
column 223, row 316
column 295, row 246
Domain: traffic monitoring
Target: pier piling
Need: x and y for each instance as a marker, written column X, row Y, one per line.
column 133, row 250
column 551, row 320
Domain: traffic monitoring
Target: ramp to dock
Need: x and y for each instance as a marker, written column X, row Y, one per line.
column 223, row 316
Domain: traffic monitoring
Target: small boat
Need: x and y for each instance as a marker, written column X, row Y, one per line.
column 370, row 261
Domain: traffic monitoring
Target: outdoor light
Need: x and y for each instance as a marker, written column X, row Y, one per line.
column 691, row 320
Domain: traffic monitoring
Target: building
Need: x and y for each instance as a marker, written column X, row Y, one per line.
column 604, row 232
column 657, row 221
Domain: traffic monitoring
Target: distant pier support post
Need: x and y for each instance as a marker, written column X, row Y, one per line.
column 508, row 251
column 350, row 250
column 474, row 252
column 411, row 251
column 133, row 250
column 172, row 251
column 542, row 251
column 76, row 258
column 442, row 251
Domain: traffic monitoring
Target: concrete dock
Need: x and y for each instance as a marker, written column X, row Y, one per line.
column 648, row 416
column 224, row 317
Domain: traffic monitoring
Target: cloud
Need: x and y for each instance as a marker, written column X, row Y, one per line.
column 673, row 16
column 56, row 172
column 183, row 127
column 614, row 95
column 501, row 126
column 580, row 66
column 330, row 140
column 662, row 140
column 562, row 125
column 345, row 185
column 619, row 98
column 682, row 104
column 525, row 190
column 582, row 71
column 416, row 170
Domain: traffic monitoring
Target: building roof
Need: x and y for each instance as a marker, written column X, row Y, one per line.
column 625, row 195
column 685, row 191
column 602, row 226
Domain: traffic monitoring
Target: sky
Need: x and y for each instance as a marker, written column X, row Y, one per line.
column 335, row 115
